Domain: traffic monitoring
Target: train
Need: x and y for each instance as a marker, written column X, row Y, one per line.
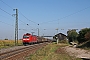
column 29, row 39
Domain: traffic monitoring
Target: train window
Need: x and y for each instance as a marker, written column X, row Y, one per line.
column 25, row 36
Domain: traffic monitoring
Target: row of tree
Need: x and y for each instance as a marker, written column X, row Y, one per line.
column 82, row 36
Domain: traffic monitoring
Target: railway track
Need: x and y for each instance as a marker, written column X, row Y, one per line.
column 19, row 54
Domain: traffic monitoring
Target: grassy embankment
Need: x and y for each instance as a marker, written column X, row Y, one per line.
column 8, row 43
column 51, row 52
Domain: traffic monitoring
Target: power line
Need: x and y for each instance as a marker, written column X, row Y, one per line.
column 6, row 4
column 68, row 15
column 24, row 29
column 6, row 17
column 5, row 12
column 12, row 25
column 6, row 23
column 27, row 18
column 20, row 13
column 16, row 35
column 9, row 13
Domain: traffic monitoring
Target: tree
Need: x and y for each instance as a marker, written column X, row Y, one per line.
column 72, row 35
column 87, row 36
column 82, row 33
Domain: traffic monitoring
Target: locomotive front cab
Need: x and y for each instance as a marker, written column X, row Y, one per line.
column 26, row 38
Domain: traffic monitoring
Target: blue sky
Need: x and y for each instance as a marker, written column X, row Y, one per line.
column 49, row 14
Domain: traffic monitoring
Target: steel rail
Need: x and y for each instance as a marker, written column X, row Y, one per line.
column 7, row 55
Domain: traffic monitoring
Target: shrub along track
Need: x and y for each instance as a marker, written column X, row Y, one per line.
column 19, row 54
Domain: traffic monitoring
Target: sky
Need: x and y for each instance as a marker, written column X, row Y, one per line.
column 45, row 15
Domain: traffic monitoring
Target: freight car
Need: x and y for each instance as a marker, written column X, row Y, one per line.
column 30, row 39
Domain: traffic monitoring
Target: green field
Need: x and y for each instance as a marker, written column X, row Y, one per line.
column 51, row 52
column 8, row 43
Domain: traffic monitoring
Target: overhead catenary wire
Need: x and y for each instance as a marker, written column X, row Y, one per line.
column 7, row 24
column 11, row 19
column 27, row 18
column 6, row 17
column 11, row 14
column 19, row 12
column 47, row 21
column 8, row 14
column 6, row 4
column 66, row 16
column 5, row 11
column 12, row 25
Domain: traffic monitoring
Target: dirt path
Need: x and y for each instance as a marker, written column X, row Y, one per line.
column 77, row 52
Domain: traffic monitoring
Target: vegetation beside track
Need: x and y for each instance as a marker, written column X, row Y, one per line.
column 82, row 38
column 85, row 45
column 50, row 52
column 8, row 43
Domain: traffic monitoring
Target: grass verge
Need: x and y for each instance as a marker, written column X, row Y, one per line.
column 50, row 52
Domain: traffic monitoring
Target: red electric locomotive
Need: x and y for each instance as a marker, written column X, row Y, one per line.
column 29, row 39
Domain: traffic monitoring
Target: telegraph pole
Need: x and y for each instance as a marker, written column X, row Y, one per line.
column 16, row 27
column 17, row 24
column 38, row 31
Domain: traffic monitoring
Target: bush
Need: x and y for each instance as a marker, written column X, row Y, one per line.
column 5, row 39
column 63, row 41
column 82, row 33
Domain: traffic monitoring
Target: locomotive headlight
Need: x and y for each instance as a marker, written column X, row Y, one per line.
column 23, row 39
column 27, row 39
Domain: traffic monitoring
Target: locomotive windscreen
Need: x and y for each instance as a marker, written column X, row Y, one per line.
column 25, row 36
